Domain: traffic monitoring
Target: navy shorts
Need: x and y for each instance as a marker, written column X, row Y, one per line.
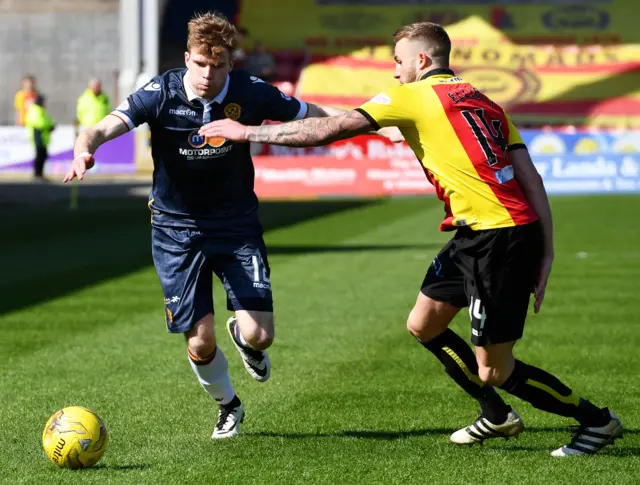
column 186, row 260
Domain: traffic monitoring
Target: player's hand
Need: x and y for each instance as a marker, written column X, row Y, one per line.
column 79, row 166
column 541, row 283
column 229, row 129
column 392, row 133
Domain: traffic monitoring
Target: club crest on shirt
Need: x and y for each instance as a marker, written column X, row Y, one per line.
column 233, row 111
column 381, row 98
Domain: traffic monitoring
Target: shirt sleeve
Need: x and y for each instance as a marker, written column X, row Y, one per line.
column 389, row 108
column 515, row 140
column 277, row 106
column 142, row 106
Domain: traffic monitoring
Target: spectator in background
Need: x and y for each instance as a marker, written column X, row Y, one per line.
column 24, row 97
column 40, row 125
column 261, row 63
column 239, row 55
column 93, row 105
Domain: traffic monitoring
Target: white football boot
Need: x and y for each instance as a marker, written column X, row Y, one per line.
column 482, row 429
column 255, row 361
column 230, row 417
column 588, row 440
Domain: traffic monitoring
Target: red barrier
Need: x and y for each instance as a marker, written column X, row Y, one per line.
column 316, row 176
column 365, row 166
column 361, row 147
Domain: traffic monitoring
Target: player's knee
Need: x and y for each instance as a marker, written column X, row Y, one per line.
column 416, row 324
column 493, row 376
column 201, row 349
column 201, row 340
column 486, row 374
column 259, row 338
column 257, row 328
column 425, row 326
column 495, row 363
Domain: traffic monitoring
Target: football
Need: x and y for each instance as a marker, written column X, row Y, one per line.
column 75, row 437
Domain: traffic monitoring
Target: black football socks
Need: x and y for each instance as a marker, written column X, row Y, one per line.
column 547, row 393
column 460, row 363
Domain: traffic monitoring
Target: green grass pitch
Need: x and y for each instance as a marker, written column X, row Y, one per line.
column 352, row 398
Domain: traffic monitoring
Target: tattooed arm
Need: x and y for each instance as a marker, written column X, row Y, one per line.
column 301, row 133
column 391, row 132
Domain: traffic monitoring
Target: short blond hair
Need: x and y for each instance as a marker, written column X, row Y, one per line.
column 432, row 34
column 210, row 33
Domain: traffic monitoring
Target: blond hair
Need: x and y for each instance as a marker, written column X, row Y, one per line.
column 432, row 34
column 210, row 33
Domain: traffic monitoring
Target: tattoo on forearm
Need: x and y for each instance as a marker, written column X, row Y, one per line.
column 312, row 131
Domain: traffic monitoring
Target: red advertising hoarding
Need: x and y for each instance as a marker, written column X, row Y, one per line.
column 366, row 166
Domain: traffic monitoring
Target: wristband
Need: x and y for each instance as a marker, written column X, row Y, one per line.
column 83, row 154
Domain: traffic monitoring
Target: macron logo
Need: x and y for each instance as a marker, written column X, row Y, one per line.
column 182, row 112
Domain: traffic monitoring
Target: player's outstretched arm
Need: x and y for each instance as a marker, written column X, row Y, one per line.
column 315, row 111
column 531, row 183
column 301, row 133
column 89, row 141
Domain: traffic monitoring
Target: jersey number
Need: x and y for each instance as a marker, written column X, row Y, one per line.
column 488, row 145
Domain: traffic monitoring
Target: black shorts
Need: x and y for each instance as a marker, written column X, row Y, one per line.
column 493, row 272
column 186, row 259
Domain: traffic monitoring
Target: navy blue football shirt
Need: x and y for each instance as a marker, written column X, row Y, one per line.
column 198, row 182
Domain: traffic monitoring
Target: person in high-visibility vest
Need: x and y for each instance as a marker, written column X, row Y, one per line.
column 24, row 97
column 93, row 105
column 40, row 124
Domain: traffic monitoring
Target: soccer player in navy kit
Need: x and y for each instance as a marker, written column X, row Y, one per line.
column 203, row 205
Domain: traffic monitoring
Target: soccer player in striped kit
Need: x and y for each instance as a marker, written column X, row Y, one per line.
column 503, row 244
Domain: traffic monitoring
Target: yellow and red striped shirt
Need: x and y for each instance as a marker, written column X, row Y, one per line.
column 462, row 139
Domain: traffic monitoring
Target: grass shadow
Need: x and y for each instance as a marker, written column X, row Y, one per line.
column 564, row 429
column 621, row 451
column 308, row 249
column 360, row 434
column 48, row 251
column 511, row 444
column 120, row 468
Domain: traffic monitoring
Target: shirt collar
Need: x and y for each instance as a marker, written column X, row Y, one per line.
column 193, row 96
column 437, row 72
